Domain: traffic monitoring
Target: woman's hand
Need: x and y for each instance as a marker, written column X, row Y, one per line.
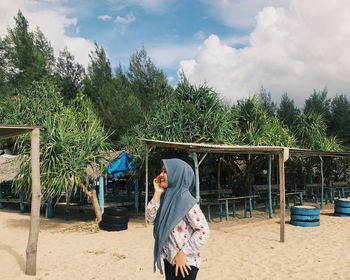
column 181, row 263
column 157, row 187
column 158, row 190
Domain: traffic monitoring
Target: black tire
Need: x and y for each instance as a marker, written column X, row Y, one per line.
column 114, row 219
column 342, row 215
column 305, row 210
column 305, row 218
column 116, row 211
column 305, row 224
column 342, row 202
column 342, row 210
column 113, row 227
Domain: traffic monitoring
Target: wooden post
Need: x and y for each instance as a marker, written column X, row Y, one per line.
column 283, row 156
column 322, row 181
column 136, row 196
column 218, row 182
column 146, row 182
column 269, row 186
column 196, row 173
column 35, row 208
column 101, row 195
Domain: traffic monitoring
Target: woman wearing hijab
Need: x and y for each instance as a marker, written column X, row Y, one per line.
column 180, row 228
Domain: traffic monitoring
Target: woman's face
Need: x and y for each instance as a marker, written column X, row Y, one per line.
column 163, row 179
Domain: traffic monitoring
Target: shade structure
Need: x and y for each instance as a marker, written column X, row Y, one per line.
column 282, row 152
column 11, row 131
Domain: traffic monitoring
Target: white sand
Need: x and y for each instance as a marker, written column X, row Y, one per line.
column 237, row 249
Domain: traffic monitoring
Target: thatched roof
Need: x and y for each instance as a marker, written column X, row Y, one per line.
column 9, row 167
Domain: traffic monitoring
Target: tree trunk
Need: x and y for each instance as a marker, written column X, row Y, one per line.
column 94, row 201
column 247, row 177
column 35, row 206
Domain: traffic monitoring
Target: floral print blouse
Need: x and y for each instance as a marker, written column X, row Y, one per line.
column 189, row 234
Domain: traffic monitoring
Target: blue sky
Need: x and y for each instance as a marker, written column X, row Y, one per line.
column 235, row 46
column 122, row 29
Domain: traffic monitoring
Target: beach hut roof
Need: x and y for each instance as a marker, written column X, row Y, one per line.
column 9, row 167
column 15, row 130
column 240, row 149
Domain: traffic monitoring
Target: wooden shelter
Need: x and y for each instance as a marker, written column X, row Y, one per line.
column 283, row 154
column 10, row 131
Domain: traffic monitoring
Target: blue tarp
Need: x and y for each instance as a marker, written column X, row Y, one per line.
column 120, row 165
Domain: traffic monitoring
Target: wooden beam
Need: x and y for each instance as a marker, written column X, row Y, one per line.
column 282, row 158
column 322, row 181
column 32, row 245
column 269, row 186
column 146, row 171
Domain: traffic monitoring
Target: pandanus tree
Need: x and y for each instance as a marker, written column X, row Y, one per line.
column 190, row 114
column 256, row 128
column 73, row 141
column 310, row 132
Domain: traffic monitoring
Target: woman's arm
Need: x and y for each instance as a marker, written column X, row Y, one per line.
column 200, row 228
column 153, row 205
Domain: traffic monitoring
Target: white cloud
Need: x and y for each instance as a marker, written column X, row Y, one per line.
column 240, row 13
column 52, row 19
column 149, row 5
column 104, row 17
column 125, row 20
column 200, row 35
column 294, row 49
column 169, row 56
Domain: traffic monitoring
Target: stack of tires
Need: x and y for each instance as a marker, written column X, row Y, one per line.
column 114, row 219
column 305, row 216
column 342, row 207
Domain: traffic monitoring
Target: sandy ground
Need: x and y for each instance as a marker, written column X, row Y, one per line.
column 238, row 249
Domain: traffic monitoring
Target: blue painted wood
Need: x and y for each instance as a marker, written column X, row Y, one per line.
column 269, row 186
column 322, row 183
column 245, row 208
column 21, row 205
column 234, row 209
column 101, row 196
column 67, row 206
column 193, row 155
column 250, row 207
column 49, row 209
column 208, row 210
column 136, row 194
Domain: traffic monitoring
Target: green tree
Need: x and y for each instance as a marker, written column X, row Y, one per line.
column 26, row 56
column 99, row 87
column 69, row 74
column 148, row 82
column 287, row 111
column 266, row 103
column 191, row 114
column 73, row 141
column 339, row 124
column 319, row 104
column 256, row 127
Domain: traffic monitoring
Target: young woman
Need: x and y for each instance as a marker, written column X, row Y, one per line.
column 180, row 228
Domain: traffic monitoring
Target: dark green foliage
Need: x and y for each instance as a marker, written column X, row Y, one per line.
column 266, row 103
column 73, row 139
column 149, row 84
column 318, row 103
column 287, row 111
column 256, row 127
column 25, row 56
column 339, row 124
column 69, row 75
column 191, row 114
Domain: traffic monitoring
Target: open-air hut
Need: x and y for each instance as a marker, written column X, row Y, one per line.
column 11, row 131
column 197, row 149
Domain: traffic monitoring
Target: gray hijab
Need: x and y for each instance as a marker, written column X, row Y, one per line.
column 175, row 203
